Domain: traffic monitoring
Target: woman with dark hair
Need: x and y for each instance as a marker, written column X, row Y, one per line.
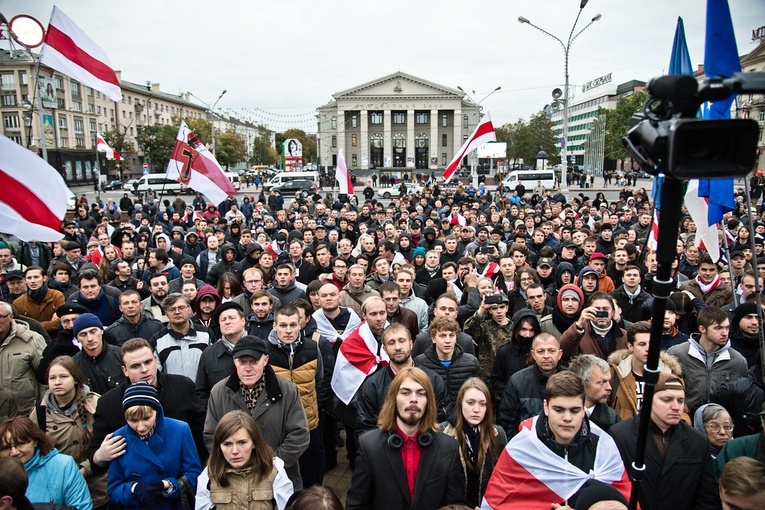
column 524, row 276
column 309, row 255
column 66, row 415
column 53, row 476
column 228, row 287
column 317, row 497
column 105, row 264
column 242, row 472
column 480, row 440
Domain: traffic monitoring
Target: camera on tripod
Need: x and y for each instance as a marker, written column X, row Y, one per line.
column 668, row 138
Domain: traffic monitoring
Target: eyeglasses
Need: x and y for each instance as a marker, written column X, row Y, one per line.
column 6, row 447
column 715, row 427
column 178, row 309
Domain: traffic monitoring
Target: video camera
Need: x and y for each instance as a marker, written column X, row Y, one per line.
column 668, row 138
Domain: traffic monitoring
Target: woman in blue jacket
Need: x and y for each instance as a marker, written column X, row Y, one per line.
column 53, row 476
column 160, row 464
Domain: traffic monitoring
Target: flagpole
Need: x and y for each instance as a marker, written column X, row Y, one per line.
column 757, row 286
column 726, row 251
column 98, row 167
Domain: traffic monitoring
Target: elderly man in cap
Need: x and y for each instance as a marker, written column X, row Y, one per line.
column 16, row 285
column 273, row 401
column 679, row 472
column 21, row 351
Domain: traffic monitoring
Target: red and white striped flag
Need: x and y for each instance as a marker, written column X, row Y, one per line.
column 483, row 133
column 698, row 208
column 68, row 49
column 193, row 165
column 356, row 359
column 530, row 476
column 273, row 249
column 101, row 146
column 343, row 176
column 34, row 196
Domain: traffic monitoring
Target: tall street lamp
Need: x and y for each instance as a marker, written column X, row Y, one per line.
column 566, row 49
column 212, row 114
column 479, row 108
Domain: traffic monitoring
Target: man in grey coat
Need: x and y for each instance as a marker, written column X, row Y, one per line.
column 273, row 402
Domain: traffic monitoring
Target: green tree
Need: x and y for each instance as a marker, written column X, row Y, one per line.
column 307, row 141
column 116, row 139
column 263, row 153
column 157, row 142
column 202, row 128
column 618, row 123
column 230, row 148
column 526, row 139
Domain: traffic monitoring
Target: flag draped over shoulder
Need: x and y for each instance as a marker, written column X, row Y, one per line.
column 530, row 476
column 483, row 133
column 102, row 146
column 710, row 199
column 193, row 165
column 356, row 359
column 69, row 50
column 34, row 196
column 343, row 176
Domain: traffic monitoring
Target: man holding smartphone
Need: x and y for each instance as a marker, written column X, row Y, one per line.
column 595, row 332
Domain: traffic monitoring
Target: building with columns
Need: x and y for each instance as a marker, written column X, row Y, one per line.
column 397, row 123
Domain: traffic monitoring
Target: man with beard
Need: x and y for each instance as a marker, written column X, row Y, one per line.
column 428, row 466
column 356, row 291
column 260, row 322
column 744, row 334
column 152, row 305
column 595, row 331
column 134, row 323
column 180, row 343
column 39, row 302
column 524, row 392
column 596, row 376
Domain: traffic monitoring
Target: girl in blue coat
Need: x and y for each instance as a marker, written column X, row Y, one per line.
column 160, row 464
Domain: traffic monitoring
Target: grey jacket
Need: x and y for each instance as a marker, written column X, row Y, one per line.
column 278, row 412
column 20, row 354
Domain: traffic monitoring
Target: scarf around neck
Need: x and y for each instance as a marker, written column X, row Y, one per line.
column 706, row 289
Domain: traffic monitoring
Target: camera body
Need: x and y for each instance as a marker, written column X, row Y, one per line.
column 494, row 299
column 601, row 314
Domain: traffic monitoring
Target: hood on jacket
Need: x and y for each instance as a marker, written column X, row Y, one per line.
column 206, row 290
column 575, row 288
column 667, row 362
column 521, row 314
column 165, row 236
column 38, row 460
column 586, row 270
column 561, row 268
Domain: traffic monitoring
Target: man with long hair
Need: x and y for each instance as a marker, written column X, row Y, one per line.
column 407, row 462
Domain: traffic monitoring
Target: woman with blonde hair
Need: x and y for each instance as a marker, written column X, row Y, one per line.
column 66, row 415
column 480, row 440
column 242, row 472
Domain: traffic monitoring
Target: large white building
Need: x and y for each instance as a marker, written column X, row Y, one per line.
column 395, row 123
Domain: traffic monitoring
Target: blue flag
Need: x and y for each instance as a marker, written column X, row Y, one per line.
column 720, row 60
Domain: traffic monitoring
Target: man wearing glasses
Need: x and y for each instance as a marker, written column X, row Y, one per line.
column 252, row 278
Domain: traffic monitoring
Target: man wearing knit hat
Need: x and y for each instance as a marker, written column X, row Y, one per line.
column 98, row 360
column 679, row 472
column 568, row 306
column 745, row 331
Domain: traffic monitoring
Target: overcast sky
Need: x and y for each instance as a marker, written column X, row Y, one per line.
column 287, row 57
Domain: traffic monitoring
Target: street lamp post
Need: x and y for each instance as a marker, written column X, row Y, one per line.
column 212, row 115
column 566, row 49
column 479, row 108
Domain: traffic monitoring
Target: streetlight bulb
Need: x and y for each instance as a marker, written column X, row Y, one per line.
column 597, row 17
column 460, row 89
column 521, row 19
column 497, row 88
column 583, row 3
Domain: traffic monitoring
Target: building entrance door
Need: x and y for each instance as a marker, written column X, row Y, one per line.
column 421, row 158
column 399, row 157
column 376, row 156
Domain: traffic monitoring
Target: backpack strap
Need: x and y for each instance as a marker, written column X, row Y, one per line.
column 41, row 418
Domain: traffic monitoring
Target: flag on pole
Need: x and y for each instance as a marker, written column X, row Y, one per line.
column 102, row 146
column 34, row 197
column 483, row 133
column 69, row 50
column 356, row 359
column 343, row 176
column 714, row 197
column 193, row 165
column 679, row 63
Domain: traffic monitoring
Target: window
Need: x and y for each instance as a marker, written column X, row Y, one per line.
column 376, row 117
column 354, row 121
column 64, row 141
column 399, row 140
column 334, row 141
column 9, row 99
column 399, row 118
column 11, row 121
column 23, row 78
column 354, row 160
column 59, row 82
column 79, row 142
column 62, row 122
column 7, row 81
column 92, row 124
column 61, row 103
column 91, row 108
column 78, row 126
column 75, row 88
column 443, row 159
column 376, row 140
column 89, row 91
column 422, row 140
column 16, row 139
column 421, row 118
column 354, row 141
column 443, row 141
column 464, row 121
column 444, row 120
column 77, row 106
column 333, row 123
column 98, row 110
column 131, row 130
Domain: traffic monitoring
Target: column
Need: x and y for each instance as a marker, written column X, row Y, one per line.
column 457, row 137
column 387, row 139
column 340, row 134
column 363, row 140
column 434, row 144
column 410, row 129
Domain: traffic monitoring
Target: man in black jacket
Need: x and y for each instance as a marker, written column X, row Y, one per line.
column 679, row 472
column 176, row 394
column 406, row 462
column 134, row 323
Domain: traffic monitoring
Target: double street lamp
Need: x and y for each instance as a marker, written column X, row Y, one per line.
column 212, row 115
column 479, row 109
column 566, row 49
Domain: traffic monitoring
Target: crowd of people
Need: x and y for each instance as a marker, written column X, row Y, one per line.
column 468, row 350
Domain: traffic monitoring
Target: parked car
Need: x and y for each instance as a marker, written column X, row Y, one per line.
column 294, row 185
column 395, row 192
column 113, row 185
column 130, row 185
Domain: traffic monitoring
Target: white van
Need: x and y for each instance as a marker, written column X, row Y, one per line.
column 530, row 179
column 234, row 178
column 291, row 176
column 155, row 183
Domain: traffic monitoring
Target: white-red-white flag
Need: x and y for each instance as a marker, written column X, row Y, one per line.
column 483, row 133
column 68, row 49
column 102, row 146
column 343, row 176
column 356, row 359
column 698, row 208
column 34, row 195
column 193, row 165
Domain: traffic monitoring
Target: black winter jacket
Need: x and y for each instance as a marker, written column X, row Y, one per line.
column 122, row 330
column 103, row 372
column 462, row 367
column 523, row 398
column 511, row 356
column 743, row 399
column 632, row 308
